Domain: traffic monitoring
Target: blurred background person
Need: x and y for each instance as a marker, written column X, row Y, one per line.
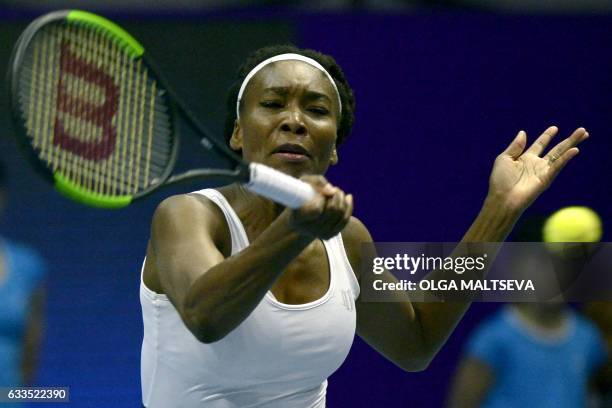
column 530, row 354
column 601, row 314
column 22, row 272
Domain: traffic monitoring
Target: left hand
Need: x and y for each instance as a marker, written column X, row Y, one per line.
column 519, row 176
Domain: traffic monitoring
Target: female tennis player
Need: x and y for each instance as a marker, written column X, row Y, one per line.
column 249, row 304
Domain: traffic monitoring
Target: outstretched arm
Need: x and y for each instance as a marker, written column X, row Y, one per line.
column 411, row 334
column 214, row 294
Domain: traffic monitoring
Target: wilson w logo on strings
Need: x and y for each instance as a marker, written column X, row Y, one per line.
column 80, row 86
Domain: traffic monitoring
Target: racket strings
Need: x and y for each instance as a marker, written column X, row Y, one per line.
column 124, row 167
column 94, row 113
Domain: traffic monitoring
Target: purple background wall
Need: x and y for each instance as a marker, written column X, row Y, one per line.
column 438, row 97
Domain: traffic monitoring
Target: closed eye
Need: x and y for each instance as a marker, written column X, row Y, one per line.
column 318, row 110
column 271, row 104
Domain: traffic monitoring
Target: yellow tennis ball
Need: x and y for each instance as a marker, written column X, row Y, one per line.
column 573, row 224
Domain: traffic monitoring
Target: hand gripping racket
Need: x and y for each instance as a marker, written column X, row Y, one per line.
column 98, row 121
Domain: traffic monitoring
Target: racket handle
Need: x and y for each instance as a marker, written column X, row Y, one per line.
column 278, row 186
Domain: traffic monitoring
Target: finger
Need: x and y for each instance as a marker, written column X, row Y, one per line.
column 348, row 207
column 313, row 208
column 559, row 150
column 515, row 149
column 559, row 164
column 334, row 209
column 346, row 216
column 541, row 142
column 330, row 190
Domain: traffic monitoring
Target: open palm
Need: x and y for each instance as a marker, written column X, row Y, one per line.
column 519, row 176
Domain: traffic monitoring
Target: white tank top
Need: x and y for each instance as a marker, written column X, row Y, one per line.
column 278, row 357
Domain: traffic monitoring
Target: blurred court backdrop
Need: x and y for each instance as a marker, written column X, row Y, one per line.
column 441, row 89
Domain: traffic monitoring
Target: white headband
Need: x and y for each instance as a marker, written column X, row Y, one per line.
column 283, row 57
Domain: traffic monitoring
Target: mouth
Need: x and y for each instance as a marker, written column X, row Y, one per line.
column 291, row 152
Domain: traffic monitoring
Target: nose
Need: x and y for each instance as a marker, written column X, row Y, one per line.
column 293, row 123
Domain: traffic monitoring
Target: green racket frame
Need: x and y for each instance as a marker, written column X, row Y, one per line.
column 136, row 51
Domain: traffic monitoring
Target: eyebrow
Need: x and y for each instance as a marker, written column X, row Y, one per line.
column 310, row 95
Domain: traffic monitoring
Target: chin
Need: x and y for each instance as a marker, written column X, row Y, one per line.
column 293, row 168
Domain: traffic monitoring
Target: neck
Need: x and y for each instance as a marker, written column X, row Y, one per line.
column 264, row 207
column 544, row 316
column 255, row 212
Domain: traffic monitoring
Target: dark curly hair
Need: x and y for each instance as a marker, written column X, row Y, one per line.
column 346, row 93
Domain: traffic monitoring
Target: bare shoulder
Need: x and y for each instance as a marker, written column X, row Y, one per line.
column 185, row 213
column 183, row 205
column 354, row 235
column 355, row 232
column 188, row 236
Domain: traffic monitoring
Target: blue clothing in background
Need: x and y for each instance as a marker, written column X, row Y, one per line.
column 532, row 371
column 23, row 272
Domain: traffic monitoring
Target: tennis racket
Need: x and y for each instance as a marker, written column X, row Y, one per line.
column 98, row 121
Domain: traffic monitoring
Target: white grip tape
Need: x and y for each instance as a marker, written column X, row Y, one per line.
column 280, row 187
